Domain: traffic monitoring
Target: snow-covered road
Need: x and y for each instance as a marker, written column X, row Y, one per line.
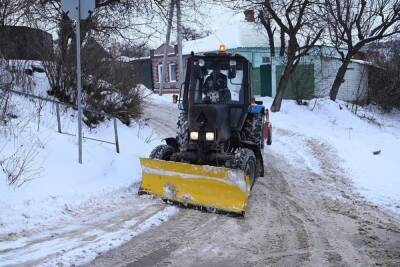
column 296, row 217
column 305, row 211
column 74, row 213
column 88, row 231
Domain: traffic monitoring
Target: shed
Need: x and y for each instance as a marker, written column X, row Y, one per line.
column 25, row 43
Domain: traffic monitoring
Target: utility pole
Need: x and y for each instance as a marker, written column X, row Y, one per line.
column 179, row 41
column 77, row 10
column 78, row 79
column 169, row 26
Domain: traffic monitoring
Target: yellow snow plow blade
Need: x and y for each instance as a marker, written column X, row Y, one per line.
column 199, row 185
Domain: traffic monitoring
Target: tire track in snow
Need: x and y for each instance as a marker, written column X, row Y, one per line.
column 296, row 216
column 86, row 232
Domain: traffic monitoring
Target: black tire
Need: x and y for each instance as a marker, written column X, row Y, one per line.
column 183, row 129
column 252, row 129
column 269, row 139
column 246, row 161
column 162, row 152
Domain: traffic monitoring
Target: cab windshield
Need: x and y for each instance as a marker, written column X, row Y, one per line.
column 218, row 81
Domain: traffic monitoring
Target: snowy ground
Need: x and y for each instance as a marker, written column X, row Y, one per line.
column 353, row 137
column 58, row 178
column 72, row 213
column 58, row 197
column 303, row 212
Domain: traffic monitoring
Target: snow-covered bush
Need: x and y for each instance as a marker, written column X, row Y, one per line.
column 105, row 87
column 19, row 166
column 17, row 147
column 104, row 96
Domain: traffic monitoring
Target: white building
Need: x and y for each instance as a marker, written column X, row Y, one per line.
column 313, row 78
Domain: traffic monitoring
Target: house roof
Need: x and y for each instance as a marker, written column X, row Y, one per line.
column 357, row 61
column 237, row 34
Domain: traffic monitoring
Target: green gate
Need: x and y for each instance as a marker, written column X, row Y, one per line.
column 301, row 84
column 141, row 71
column 266, row 80
column 255, row 80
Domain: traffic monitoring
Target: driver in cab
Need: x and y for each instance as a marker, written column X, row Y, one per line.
column 215, row 87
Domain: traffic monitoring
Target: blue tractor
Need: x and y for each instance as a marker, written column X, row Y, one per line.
column 220, row 125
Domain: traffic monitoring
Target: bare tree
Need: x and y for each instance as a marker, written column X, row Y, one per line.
column 296, row 19
column 12, row 12
column 384, row 85
column 189, row 33
column 127, row 21
column 270, row 28
column 353, row 24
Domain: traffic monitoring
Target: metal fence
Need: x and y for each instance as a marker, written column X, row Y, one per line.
column 59, row 128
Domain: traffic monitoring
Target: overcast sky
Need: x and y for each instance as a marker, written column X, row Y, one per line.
column 209, row 17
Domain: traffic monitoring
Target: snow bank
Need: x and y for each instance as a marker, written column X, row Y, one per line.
column 355, row 139
column 58, row 182
column 154, row 97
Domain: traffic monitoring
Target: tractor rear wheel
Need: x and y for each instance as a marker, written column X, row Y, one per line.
column 246, row 161
column 162, row 152
column 252, row 129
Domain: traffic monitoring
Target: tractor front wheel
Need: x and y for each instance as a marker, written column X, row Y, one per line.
column 183, row 129
column 162, row 152
column 246, row 161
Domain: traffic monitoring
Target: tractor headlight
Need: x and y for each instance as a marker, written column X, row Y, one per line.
column 210, row 136
column 194, row 135
column 202, row 62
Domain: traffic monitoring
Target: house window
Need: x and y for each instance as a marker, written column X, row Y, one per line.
column 160, row 71
column 172, row 72
column 266, row 60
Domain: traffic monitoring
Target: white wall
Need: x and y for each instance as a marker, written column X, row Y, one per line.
column 354, row 87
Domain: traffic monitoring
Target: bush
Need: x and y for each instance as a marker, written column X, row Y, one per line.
column 103, row 96
column 105, row 87
column 384, row 81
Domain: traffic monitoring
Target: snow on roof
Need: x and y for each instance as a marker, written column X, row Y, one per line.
column 362, row 62
column 237, row 33
column 358, row 61
column 126, row 59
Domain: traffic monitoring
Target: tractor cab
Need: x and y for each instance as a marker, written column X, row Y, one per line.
column 216, row 81
column 216, row 96
column 216, row 78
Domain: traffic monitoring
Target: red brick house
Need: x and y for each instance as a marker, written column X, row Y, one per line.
column 172, row 74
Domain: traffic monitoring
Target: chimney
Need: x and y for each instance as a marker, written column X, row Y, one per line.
column 249, row 15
